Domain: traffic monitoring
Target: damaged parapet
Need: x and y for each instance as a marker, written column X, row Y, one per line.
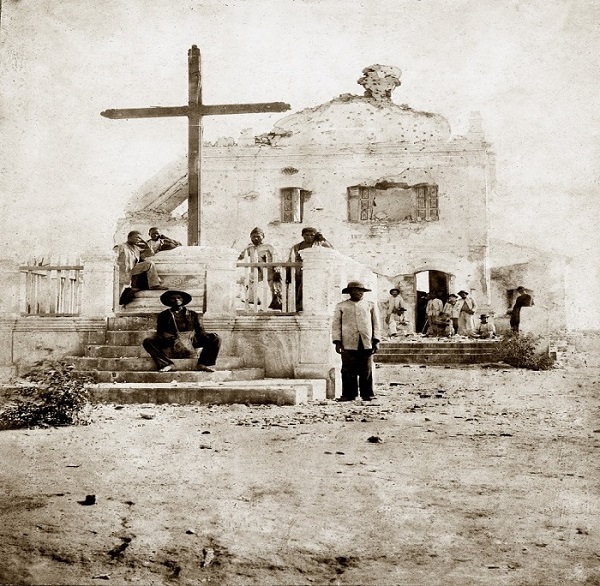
column 380, row 81
column 352, row 120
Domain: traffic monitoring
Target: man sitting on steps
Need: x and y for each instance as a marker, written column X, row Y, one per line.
column 179, row 330
column 132, row 261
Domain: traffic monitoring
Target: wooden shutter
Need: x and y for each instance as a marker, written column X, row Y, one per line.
column 421, row 203
column 292, row 204
column 433, row 202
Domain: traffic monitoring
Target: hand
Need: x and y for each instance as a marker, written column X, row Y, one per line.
column 339, row 347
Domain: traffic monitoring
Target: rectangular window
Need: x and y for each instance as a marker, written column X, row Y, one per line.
column 360, row 203
column 427, row 203
column 292, row 204
column 393, row 203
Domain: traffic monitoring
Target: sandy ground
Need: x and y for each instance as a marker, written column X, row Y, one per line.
column 481, row 476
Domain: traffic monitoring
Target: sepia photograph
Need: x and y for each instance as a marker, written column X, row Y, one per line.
column 300, row 292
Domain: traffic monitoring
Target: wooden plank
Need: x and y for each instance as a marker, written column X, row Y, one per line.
column 223, row 109
column 151, row 112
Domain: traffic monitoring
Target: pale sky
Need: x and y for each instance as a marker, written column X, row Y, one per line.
column 530, row 67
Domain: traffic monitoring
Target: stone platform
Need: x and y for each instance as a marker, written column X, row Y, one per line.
column 255, row 392
column 437, row 352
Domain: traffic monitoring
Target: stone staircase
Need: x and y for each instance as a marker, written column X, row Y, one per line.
column 442, row 352
column 125, row 373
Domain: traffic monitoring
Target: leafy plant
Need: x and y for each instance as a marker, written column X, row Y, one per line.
column 56, row 395
column 520, row 350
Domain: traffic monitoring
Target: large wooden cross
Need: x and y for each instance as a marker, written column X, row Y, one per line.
column 195, row 110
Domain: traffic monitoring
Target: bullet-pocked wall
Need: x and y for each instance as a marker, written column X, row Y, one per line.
column 387, row 185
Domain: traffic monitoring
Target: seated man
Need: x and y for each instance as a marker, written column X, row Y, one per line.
column 179, row 329
column 133, row 265
column 485, row 330
column 160, row 242
column 441, row 326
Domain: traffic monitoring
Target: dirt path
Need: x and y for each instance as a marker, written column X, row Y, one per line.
column 482, row 477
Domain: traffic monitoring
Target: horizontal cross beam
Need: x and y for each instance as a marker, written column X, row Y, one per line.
column 202, row 110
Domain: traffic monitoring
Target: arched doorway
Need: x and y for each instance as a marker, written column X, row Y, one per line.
column 429, row 282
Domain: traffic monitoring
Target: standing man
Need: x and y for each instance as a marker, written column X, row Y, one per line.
column 393, row 311
column 522, row 300
column 259, row 252
column 311, row 237
column 452, row 308
column 432, row 310
column 133, row 264
column 466, row 325
column 160, row 242
column 355, row 332
column 179, row 329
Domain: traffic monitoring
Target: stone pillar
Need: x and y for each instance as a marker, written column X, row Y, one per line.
column 7, row 327
column 319, row 280
column 220, row 280
column 10, row 277
column 98, row 284
column 322, row 291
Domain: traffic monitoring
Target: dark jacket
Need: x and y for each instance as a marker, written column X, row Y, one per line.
column 166, row 327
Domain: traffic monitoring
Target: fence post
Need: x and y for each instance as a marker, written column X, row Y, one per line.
column 98, row 284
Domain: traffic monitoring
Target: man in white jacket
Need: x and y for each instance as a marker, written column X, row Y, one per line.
column 355, row 333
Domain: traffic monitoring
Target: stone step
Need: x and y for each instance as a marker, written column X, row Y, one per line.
column 263, row 392
column 181, row 376
column 433, row 358
column 435, row 345
column 140, row 363
column 137, row 351
column 126, row 323
column 128, row 338
column 149, row 303
column 440, row 351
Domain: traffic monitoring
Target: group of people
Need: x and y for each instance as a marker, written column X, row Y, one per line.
column 133, row 257
column 455, row 317
column 260, row 252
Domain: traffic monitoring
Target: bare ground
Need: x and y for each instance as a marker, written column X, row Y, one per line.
column 481, row 477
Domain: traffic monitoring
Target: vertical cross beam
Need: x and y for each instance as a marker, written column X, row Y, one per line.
column 194, row 147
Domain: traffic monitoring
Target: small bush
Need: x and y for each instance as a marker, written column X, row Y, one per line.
column 56, row 396
column 520, row 350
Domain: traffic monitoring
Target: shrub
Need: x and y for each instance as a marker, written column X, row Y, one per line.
column 57, row 395
column 520, row 350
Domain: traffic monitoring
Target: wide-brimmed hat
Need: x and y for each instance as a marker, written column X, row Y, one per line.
column 354, row 285
column 395, row 289
column 453, row 295
column 484, row 315
column 463, row 291
column 166, row 296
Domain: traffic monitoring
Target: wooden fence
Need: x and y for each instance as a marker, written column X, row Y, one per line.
column 269, row 287
column 52, row 287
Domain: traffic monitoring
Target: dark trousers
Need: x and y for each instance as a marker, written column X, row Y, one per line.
column 210, row 344
column 357, row 373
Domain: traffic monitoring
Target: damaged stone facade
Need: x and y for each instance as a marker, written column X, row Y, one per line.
column 386, row 184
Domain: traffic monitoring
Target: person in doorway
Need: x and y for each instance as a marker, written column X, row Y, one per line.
column 159, row 242
column 394, row 311
column 452, row 308
column 468, row 307
column 138, row 270
column 432, row 310
column 260, row 252
column 310, row 237
column 355, row 333
column 485, row 329
column 180, row 331
column 523, row 300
